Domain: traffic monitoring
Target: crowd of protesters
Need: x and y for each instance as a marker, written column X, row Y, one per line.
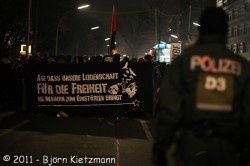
column 68, row 59
column 12, row 71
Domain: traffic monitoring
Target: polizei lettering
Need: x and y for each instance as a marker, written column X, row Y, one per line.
column 209, row 64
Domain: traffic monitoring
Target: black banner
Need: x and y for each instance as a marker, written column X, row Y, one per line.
column 99, row 86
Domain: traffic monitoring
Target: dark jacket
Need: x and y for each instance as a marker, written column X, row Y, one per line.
column 209, row 87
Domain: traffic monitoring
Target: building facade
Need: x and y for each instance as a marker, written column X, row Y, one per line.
column 190, row 15
column 239, row 25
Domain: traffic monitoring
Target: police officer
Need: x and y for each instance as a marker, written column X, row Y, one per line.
column 204, row 103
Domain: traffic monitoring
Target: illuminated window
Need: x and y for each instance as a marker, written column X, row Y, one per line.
column 230, row 17
column 248, row 48
column 24, row 48
column 247, row 28
column 234, row 48
column 234, row 31
column 230, row 32
column 241, row 11
column 235, row 13
column 242, row 47
column 241, row 29
column 219, row 3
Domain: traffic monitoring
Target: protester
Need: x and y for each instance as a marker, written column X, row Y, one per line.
column 108, row 58
column 69, row 58
column 125, row 59
column 85, row 59
column 98, row 59
column 116, row 57
column 7, row 83
column 204, row 106
column 148, row 58
column 78, row 59
column 51, row 59
column 61, row 59
column 140, row 59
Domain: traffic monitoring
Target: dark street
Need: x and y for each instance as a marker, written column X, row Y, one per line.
column 42, row 139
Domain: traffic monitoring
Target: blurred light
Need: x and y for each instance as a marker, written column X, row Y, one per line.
column 24, row 49
column 115, row 52
column 93, row 28
column 81, row 7
column 169, row 39
column 150, row 52
column 174, row 36
column 107, row 39
column 162, row 46
column 196, row 24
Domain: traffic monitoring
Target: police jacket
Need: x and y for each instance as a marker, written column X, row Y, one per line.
column 207, row 83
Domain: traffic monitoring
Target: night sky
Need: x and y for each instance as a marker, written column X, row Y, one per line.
column 75, row 37
column 135, row 24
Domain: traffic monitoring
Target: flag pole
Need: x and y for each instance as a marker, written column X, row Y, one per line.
column 113, row 32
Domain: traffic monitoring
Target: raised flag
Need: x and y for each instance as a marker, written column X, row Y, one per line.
column 113, row 32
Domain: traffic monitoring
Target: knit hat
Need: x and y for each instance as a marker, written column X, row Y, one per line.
column 213, row 21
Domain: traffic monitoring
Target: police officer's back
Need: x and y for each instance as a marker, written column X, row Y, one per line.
column 204, row 104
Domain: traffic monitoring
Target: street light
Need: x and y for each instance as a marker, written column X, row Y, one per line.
column 93, row 28
column 196, row 24
column 174, row 36
column 57, row 29
column 82, row 7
